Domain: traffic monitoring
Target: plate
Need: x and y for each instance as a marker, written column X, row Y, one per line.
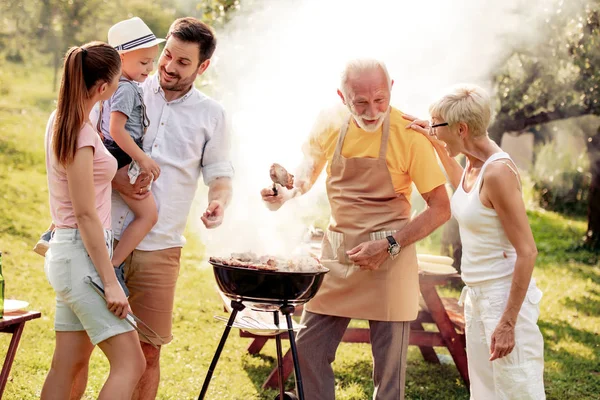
column 11, row 305
column 259, row 328
column 429, row 258
column 437, row 269
column 257, row 322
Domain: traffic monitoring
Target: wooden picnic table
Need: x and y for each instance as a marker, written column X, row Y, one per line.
column 443, row 312
column 13, row 323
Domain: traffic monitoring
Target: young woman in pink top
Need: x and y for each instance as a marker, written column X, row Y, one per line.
column 80, row 171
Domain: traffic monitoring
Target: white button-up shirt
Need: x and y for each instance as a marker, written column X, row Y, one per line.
column 187, row 137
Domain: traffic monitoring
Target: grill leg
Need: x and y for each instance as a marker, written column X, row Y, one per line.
column 279, row 357
column 236, row 307
column 288, row 311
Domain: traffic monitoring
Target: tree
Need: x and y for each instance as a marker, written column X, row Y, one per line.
column 557, row 78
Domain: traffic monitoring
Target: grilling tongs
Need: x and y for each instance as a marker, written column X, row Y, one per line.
column 100, row 291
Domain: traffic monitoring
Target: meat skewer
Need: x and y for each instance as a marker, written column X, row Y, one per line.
column 279, row 175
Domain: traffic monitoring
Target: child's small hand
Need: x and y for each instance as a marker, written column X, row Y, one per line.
column 149, row 166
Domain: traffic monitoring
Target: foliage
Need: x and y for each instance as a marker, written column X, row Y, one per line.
column 557, row 77
column 561, row 179
column 33, row 28
column 218, row 11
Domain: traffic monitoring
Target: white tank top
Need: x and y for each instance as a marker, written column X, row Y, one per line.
column 487, row 253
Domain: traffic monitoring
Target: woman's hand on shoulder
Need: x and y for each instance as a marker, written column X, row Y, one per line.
column 422, row 126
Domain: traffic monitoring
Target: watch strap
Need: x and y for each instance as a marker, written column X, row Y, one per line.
column 391, row 240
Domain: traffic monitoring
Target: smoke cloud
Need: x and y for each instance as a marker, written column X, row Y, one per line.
column 278, row 65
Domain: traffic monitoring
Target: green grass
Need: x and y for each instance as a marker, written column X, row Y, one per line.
column 569, row 277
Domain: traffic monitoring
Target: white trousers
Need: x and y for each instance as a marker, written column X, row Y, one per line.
column 518, row 375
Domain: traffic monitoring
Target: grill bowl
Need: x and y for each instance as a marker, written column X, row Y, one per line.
column 268, row 287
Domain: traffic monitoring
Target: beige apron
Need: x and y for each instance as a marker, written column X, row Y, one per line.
column 364, row 206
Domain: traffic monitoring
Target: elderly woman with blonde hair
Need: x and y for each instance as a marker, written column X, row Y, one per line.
column 505, row 348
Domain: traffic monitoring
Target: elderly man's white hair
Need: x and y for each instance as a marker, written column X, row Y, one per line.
column 359, row 65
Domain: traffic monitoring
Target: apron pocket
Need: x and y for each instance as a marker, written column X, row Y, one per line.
column 336, row 240
column 336, row 269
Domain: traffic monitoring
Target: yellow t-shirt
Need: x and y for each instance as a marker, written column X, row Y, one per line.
column 410, row 156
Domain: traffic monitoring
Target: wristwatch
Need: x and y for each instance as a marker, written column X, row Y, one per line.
column 394, row 248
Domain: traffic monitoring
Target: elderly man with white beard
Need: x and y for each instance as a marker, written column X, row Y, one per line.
column 371, row 162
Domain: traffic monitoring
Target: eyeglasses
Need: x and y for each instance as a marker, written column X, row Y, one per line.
column 432, row 127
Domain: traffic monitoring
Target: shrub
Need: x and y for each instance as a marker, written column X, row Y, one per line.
column 561, row 179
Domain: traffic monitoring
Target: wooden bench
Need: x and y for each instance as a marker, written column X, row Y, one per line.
column 425, row 340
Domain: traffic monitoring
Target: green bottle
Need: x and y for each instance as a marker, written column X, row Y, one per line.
column 1, row 289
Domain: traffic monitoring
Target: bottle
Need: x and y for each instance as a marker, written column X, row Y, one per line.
column 1, row 289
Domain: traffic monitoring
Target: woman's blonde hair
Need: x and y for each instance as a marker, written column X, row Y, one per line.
column 465, row 103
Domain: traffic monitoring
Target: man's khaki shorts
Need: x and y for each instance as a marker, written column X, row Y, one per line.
column 151, row 277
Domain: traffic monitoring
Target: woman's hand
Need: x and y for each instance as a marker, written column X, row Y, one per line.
column 503, row 340
column 422, row 126
column 116, row 301
column 149, row 166
column 369, row 255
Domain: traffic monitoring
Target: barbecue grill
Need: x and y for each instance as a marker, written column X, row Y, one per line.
column 267, row 291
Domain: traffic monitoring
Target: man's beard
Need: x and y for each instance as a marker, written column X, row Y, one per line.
column 371, row 127
column 178, row 84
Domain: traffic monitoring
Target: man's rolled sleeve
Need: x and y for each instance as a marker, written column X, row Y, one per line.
column 218, row 170
column 215, row 158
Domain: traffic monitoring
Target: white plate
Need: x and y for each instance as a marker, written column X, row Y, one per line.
column 11, row 305
column 437, row 269
column 257, row 322
column 429, row 258
column 260, row 328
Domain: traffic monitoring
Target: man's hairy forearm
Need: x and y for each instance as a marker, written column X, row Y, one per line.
column 220, row 189
column 423, row 225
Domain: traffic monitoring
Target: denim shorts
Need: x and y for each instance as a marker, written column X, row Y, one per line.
column 78, row 306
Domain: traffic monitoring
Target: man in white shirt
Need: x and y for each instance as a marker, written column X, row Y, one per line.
column 187, row 137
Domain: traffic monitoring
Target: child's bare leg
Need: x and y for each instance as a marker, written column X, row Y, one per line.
column 146, row 215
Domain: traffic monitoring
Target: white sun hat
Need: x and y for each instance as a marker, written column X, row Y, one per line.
column 131, row 34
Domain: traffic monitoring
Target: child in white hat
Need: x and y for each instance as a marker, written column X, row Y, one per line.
column 123, row 123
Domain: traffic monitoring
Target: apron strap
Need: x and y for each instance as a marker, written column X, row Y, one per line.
column 384, row 136
column 343, row 130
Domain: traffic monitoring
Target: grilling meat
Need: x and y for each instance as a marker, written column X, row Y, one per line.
column 270, row 263
column 236, row 262
column 281, row 176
